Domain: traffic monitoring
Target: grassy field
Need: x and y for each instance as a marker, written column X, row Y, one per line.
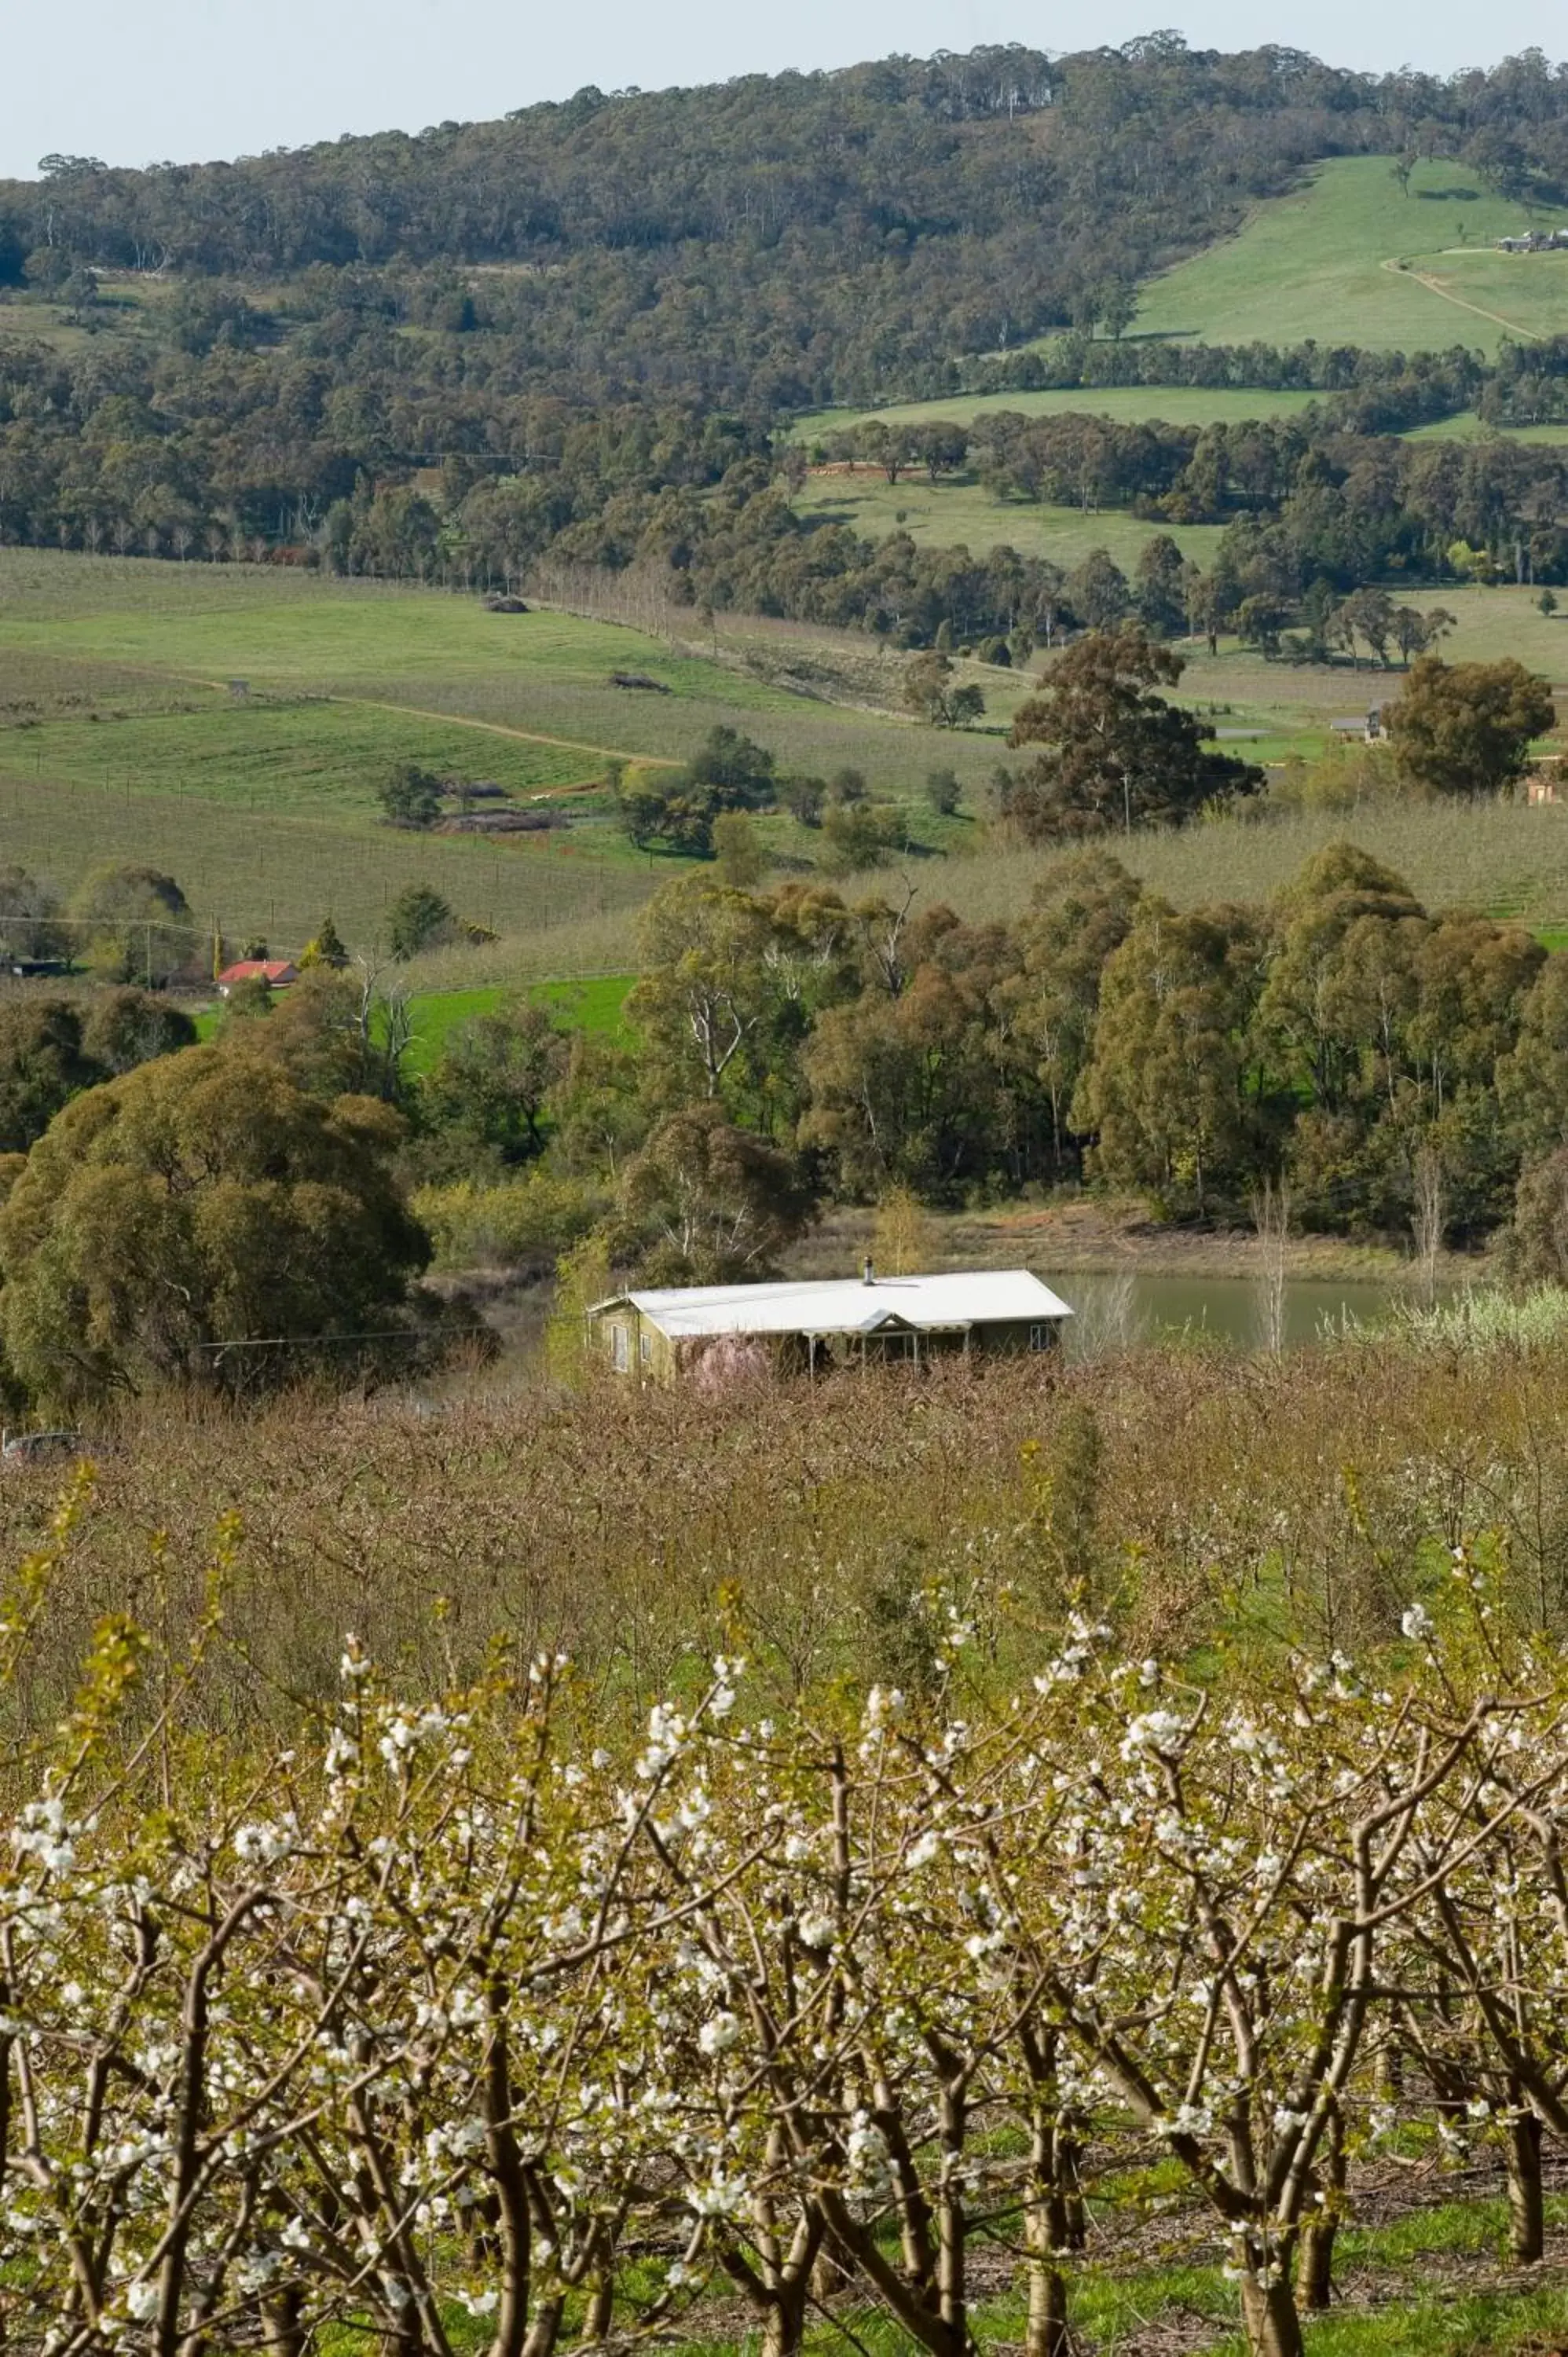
column 1505, row 621
column 1466, row 426
column 1126, row 404
column 592, row 1004
column 1323, row 262
column 1134, row 404
column 127, row 301
column 311, row 758
column 121, row 740
column 946, row 514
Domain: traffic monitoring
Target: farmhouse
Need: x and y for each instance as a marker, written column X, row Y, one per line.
column 715, row 1331
column 276, row 972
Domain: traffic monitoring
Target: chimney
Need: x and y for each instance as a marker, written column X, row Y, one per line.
column 867, row 1274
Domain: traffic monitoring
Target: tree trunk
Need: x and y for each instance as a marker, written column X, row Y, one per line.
column 1314, row 2261
column 1269, row 2318
column 284, row 2314
column 784, row 2321
column 1054, row 2217
column 830, row 2275
column 1045, row 2334
column 1069, row 2178
column 601, row 2307
column 1527, row 2210
column 544, row 2330
column 952, row 2224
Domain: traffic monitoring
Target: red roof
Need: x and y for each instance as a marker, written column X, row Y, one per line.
column 276, row 971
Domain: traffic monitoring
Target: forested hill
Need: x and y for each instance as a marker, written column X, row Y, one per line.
column 789, row 239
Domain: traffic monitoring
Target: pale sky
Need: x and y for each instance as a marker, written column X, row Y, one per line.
column 187, row 79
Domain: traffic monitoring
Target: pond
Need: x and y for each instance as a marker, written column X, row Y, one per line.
column 1112, row 1312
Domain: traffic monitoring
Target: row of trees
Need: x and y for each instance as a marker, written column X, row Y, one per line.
column 312, row 446
column 1352, row 505
column 1117, row 754
column 1381, row 1064
column 453, row 2010
column 1341, row 1040
column 1359, row 392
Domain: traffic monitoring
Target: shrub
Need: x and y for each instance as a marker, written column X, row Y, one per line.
column 419, row 919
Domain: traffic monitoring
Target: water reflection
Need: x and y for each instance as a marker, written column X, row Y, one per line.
column 1115, row 1312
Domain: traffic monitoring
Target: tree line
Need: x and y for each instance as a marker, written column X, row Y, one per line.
column 1320, row 508
column 1382, row 1068
column 1380, row 1065
column 335, row 460
column 1361, row 391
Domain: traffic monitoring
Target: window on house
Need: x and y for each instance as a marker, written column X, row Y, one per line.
column 1039, row 1338
column 645, row 1349
column 619, row 1355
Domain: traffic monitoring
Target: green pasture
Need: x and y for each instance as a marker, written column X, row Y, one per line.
column 805, row 732
column 593, row 1003
column 1140, row 404
column 1129, row 404
column 1504, row 620
column 952, row 514
column 1322, row 263
column 311, row 758
column 127, row 301
column 1508, row 860
column 277, row 874
column 279, row 628
column 1466, row 426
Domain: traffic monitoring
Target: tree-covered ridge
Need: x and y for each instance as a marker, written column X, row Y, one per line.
column 799, row 238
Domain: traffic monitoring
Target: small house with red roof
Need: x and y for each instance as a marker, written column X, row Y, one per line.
column 276, row 972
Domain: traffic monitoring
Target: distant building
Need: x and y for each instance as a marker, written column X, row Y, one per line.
column 276, row 972
column 716, row 1331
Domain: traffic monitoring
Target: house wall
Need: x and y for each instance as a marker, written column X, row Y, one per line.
column 1016, row 1339
column 648, row 1356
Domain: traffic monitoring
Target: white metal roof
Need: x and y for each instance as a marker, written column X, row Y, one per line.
column 848, row 1305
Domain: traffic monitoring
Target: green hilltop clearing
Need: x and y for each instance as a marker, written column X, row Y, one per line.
column 1346, row 259
column 593, row 1003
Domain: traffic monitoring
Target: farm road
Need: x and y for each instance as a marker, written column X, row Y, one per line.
column 499, row 728
column 1435, row 286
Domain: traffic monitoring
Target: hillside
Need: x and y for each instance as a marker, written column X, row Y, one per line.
column 1347, row 259
column 802, row 238
column 121, row 739
column 777, row 240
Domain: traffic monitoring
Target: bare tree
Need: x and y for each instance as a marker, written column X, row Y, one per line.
column 1271, row 1217
column 1428, row 1217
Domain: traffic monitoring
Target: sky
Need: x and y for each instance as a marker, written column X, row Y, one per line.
column 189, row 80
